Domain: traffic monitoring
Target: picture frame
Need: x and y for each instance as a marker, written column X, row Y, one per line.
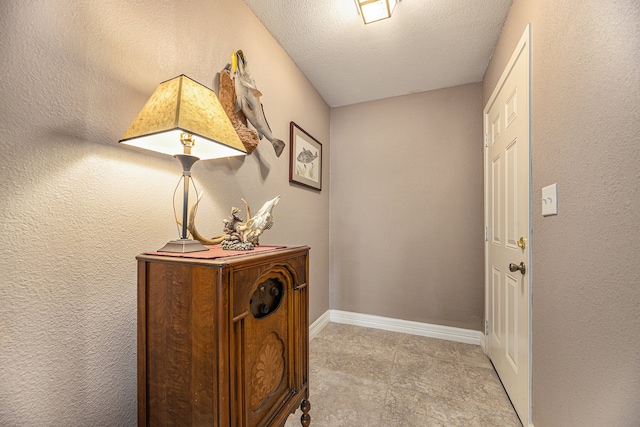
column 305, row 158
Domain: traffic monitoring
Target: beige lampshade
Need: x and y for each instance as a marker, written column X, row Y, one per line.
column 375, row 10
column 184, row 105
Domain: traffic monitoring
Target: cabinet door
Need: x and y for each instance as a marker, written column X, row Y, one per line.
column 264, row 343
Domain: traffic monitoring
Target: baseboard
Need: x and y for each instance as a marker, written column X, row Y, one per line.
column 483, row 343
column 319, row 324
column 450, row 333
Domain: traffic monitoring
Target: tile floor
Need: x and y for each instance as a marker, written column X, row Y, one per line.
column 362, row 377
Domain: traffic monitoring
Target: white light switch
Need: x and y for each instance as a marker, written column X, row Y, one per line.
column 550, row 200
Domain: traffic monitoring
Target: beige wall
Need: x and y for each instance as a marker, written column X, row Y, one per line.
column 406, row 207
column 76, row 207
column 586, row 275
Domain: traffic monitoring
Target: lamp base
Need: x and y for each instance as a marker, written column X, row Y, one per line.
column 183, row 246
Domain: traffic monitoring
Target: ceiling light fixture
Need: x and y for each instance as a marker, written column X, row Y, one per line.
column 375, row 10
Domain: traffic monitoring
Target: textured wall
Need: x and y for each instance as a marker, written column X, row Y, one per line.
column 586, row 138
column 406, row 207
column 76, row 207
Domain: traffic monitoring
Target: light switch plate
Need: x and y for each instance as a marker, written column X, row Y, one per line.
column 550, row 200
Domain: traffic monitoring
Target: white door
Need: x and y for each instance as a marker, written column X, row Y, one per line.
column 507, row 218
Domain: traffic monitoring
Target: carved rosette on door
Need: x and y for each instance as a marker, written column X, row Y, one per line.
column 267, row 372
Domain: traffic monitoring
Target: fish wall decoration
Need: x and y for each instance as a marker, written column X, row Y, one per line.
column 246, row 105
column 227, row 95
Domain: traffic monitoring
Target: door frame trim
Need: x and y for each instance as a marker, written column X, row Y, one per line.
column 525, row 39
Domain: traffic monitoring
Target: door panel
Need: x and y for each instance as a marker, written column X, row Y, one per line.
column 511, row 107
column 496, row 199
column 511, row 196
column 508, row 220
column 495, row 320
column 512, row 321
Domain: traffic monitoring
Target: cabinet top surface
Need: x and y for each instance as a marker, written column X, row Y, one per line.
column 224, row 259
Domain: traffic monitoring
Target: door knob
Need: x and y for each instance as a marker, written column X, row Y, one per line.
column 522, row 242
column 515, row 267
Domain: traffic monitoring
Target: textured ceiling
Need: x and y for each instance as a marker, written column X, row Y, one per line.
column 425, row 45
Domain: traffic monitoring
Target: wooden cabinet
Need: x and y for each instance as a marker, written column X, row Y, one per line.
column 224, row 341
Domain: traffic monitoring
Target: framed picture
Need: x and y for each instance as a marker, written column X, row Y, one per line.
column 305, row 158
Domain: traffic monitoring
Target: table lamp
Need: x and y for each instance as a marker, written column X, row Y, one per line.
column 186, row 120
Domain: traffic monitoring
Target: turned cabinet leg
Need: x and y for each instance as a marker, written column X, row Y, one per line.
column 305, row 419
